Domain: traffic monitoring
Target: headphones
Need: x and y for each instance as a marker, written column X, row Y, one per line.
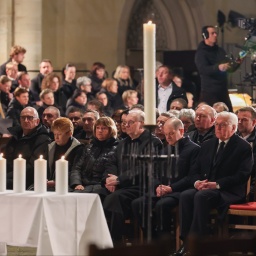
column 205, row 33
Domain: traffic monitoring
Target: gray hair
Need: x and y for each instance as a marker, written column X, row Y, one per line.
column 189, row 113
column 55, row 110
column 175, row 112
column 140, row 115
column 83, row 80
column 230, row 117
column 32, row 109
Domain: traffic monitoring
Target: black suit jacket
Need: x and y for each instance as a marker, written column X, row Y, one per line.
column 231, row 171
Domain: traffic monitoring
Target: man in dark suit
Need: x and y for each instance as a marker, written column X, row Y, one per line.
column 220, row 175
column 122, row 184
column 172, row 179
column 204, row 125
column 167, row 90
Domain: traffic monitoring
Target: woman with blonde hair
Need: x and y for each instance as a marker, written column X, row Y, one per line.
column 123, row 77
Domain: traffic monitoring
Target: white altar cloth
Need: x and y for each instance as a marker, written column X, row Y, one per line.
column 55, row 224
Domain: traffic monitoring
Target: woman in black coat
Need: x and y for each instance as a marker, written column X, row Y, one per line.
column 87, row 174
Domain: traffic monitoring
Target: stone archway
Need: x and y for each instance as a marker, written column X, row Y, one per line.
column 178, row 20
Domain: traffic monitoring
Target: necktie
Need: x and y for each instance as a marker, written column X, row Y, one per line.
column 220, row 151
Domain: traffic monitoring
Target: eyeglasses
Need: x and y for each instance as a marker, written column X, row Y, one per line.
column 129, row 123
column 75, row 118
column 47, row 115
column 29, row 118
column 88, row 119
column 222, row 125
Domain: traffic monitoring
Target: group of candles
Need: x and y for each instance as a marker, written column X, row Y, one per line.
column 40, row 175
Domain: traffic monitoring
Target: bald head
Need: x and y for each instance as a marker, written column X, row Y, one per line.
column 173, row 130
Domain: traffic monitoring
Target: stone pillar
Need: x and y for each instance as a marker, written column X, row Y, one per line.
column 28, row 30
column 6, row 35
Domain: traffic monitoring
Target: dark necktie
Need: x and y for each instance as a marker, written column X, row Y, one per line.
column 220, row 151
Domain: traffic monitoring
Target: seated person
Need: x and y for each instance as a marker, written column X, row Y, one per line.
column 90, row 167
column 103, row 98
column 30, row 139
column 78, row 100
column 178, row 104
column 17, row 104
column 220, row 106
column 47, row 97
column 5, row 95
column 75, row 115
column 49, row 115
column 64, row 144
column 171, row 180
column 130, row 98
column 89, row 119
column 187, row 116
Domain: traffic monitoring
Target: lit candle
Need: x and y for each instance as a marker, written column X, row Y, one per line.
column 19, row 175
column 149, row 53
column 40, row 175
column 2, row 173
column 61, row 175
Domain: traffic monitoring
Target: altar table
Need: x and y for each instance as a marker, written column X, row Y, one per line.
column 55, row 224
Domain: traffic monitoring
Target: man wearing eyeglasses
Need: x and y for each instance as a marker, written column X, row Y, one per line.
column 30, row 140
column 204, row 125
column 220, row 175
column 124, row 176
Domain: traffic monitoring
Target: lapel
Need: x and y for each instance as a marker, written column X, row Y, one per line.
column 229, row 147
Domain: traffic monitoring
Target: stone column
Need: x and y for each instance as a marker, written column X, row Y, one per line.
column 6, row 35
column 28, row 30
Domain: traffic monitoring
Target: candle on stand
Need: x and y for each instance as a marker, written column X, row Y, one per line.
column 149, row 56
column 40, row 177
column 2, row 173
column 19, row 175
column 61, row 176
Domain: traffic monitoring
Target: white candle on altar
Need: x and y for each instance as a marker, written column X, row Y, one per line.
column 2, row 173
column 19, row 175
column 61, row 176
column 40, row 175
column 149, row 54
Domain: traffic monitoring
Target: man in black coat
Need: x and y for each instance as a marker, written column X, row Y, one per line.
column 167, row 90
column 45, row 69
column 30, row 140
column 220, row 176
column 121, row 186
column 212, row 65
column 204, row 125
column 172, row 180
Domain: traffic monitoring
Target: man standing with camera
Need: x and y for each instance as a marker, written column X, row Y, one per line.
column 212, row 65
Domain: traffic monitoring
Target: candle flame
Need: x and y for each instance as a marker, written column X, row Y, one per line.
column 1, row 155
column 40, row 157
column 20, row 156
column 63, row 158
column 150, row 22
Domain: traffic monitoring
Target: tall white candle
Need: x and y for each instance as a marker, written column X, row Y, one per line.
column 149, row 53
column 40, row 175
column 2, row 173
column 61, row 176
column 19, row 175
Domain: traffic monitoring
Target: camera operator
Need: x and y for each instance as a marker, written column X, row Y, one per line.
column 212, row 65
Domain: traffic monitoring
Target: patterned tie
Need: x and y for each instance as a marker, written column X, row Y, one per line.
column 220, row 151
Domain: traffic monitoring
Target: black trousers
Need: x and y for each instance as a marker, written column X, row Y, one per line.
column 161, row 208
column 194, row 209
column 117, row 207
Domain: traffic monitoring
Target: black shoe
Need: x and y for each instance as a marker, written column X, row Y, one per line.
column 180, row 252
